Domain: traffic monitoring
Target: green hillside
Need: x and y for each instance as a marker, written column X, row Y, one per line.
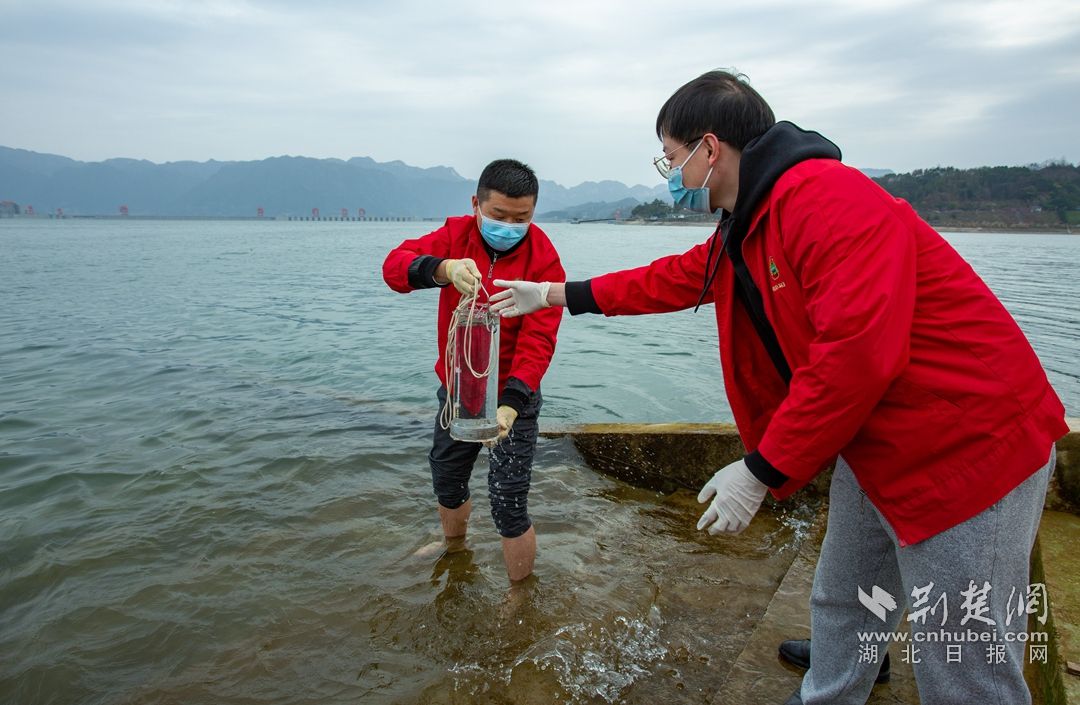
column 1046, row 195
column 1040, row 196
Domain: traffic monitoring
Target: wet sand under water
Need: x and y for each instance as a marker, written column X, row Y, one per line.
column 301, row 586
column 629, row 604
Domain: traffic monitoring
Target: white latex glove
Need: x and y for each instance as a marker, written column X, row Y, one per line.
column 463, row 274
column 738, row 495
column 520, row 297
column 505, row 416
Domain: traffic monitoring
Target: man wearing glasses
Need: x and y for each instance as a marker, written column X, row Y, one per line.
column 851, row 331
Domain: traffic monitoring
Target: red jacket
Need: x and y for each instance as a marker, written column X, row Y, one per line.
column 903, row 360
column 526, row 343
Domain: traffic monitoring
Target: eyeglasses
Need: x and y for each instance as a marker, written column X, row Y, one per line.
column 663, row 162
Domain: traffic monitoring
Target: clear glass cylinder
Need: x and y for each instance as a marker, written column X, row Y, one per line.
column 475, row 396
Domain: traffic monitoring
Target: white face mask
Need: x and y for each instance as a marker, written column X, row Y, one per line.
column 501, row 236
column 695, row 199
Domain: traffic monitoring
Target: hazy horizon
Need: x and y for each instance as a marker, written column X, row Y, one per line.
column 875, row 168
column 571, row 88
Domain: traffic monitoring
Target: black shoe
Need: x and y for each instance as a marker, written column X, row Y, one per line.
column 797, row 653
column 796, row 697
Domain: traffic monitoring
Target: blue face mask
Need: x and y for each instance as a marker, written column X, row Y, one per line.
column 501, row 236
column 694, row 199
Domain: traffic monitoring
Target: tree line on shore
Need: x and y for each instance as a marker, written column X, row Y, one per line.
column 1043, row 195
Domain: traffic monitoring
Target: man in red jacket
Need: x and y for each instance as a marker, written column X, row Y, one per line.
column 497, row 240
column 851, row 331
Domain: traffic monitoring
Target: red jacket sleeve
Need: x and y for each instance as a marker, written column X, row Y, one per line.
column 855, row 259
column 536, row 339
column 670, row 283
column 396, row 265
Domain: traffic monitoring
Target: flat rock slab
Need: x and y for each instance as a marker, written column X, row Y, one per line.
column 759, row 676
column 1059, row 535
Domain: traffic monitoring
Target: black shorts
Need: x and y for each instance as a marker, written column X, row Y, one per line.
column 509, row 474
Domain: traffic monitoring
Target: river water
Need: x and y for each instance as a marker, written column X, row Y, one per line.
column 213, row 476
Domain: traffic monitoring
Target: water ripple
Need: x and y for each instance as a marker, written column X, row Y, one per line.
column 213, row 476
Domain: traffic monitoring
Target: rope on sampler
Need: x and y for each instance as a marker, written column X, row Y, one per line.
column 467, row 307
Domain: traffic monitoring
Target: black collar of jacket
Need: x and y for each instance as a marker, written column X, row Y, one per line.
column 764, row 160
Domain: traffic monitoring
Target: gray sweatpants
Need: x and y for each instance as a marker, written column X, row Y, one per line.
column 966, row 590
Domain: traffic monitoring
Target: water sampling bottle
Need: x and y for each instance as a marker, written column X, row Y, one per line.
column 474, row 374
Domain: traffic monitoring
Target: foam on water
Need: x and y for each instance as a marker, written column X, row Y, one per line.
column 595, row 660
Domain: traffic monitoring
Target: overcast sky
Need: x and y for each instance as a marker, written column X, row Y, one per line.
column 570, row 87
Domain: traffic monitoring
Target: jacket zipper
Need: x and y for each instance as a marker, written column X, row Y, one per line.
column 491, row 269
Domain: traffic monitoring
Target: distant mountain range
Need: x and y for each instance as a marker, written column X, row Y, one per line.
column 282, row 186
column 877, row 173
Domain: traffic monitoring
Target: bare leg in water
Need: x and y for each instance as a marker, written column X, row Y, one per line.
column 519, row 554
column 455, row 524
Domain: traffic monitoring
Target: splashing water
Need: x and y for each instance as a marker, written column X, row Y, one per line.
column 594, row 660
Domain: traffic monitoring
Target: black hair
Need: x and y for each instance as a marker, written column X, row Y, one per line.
column 509, row 177
column 720, row 102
